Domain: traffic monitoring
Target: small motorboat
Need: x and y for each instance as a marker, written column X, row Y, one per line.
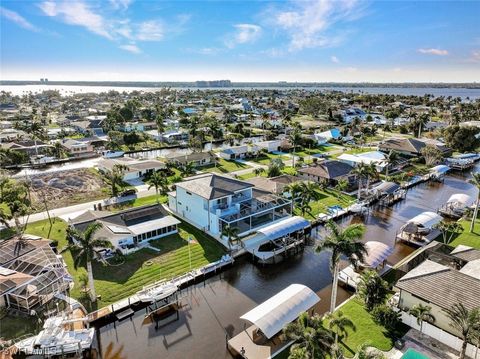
column 157, row 292
column 112, row 154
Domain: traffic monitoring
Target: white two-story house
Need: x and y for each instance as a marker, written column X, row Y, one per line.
column 211, row 201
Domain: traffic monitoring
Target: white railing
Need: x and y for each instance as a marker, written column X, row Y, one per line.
column 440, row 335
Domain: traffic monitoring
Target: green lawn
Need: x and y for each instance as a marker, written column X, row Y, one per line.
column 114, row 282
column 142, row 201
column 225, row 166
column 328, row 198
column 466, row 238
column 267, row 158
column 356, row 151
column 367, row 331
column 12, row 327
column 252, row 175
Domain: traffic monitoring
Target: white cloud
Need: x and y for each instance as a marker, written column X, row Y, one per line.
column 309, row 24
column 120, row 4
column 17, row 19
column 475, row 56
column 334, row 59
column 436, row 52
column 131, row 48
column 150, row 31
column 77, row 13
column 244, row 33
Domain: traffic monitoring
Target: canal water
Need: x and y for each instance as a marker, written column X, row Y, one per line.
column 210, row 311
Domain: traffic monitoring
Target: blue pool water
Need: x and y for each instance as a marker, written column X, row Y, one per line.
column 413, row 354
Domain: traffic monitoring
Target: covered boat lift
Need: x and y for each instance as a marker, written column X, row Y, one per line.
column 388, row 193
column 456, row 205
column 277, row 238
column 376, row 259
column 420, row 230
column 262, row 339
column 438, row 172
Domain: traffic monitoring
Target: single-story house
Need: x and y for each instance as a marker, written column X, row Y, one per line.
column 236, row 152
column 82, row 147
column 175, row 136
column 411, row 146
column 270, row 146
column 326, row 136
column 134, row 168
column 274, row 185
column 376, row 157
column 440, row 287
column 128, row 230
column 198, row 158
column 28, row 146
column 330, row 171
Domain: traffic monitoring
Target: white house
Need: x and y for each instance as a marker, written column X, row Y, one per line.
column 376, row 157
column 236, row 152
column 129, row 230
column 134, row 168
column 210, row 202
column 326, row 136
column 270, row 146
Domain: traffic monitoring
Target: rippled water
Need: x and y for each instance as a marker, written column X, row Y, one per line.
column 212, row 310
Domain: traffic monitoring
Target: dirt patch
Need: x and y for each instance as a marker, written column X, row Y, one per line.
column 67, row 188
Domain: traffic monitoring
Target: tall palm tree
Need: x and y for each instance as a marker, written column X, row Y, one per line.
column 158, row 180
column 339, row 324
column 390, row 158
column 475, row 180
column 423, row 314
column 310, row 336
column 114, row 179
column 343, row 242
column 372, row 289
column 341, row 186
column 295, row 137
column 371, row 173
column 466, row 322
column 84, row 247
column 231, row 233
column 361, row 171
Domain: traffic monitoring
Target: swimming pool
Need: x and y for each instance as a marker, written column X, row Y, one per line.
column 413, row 354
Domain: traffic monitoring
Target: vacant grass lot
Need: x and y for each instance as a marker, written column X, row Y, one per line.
column 114, row 282
column 268, row 157
column 328, row 198
column 368, row 332
column 225, row 166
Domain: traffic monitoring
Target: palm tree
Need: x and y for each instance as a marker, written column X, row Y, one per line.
column 366, row 352
column 370, row 173
column 311, row 338
column 361, row 171
column 390, row 158
column 188, row 169
column 295, row 137
column 343, row 242
column 231, row 233
column 475, row 180
column 466, row 322
column 84, row 247
column 114, row 179
column 339, row 324
column 341, row 186
column 158, row 180
column 423, row 314
column 372, row 289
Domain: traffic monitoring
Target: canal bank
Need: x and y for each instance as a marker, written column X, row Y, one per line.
column 210, row 311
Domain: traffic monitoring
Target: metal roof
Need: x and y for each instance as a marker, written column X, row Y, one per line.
column 285, row 227
column 284, row 307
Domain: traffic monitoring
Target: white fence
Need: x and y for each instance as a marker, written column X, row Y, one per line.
column 440, row 335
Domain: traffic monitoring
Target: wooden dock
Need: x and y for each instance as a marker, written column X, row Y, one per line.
column 121, row 308
column 418, row 240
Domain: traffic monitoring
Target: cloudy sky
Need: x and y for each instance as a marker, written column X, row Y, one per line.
column 318, row 40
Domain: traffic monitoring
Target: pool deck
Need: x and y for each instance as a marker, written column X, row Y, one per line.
column 422, row 343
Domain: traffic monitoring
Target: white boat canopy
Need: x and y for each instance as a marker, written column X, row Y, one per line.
column 377, row 253
column 283, row 308
column 440, row 169
column 425, row 220
column 460, row 200
column 284, row 228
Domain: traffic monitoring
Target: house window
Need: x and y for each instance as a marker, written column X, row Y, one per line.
column 189, row 193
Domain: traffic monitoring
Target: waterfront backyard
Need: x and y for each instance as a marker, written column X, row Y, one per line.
column 128, row 274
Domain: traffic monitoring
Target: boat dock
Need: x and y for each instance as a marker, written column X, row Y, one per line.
column 123, row 308
column 418, row 240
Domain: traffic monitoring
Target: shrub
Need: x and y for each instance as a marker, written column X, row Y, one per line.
column 386, row 316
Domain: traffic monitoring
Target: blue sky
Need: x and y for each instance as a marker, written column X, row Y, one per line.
column 318, row 40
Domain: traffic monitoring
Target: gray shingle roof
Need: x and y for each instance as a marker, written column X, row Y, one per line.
column 212, row 186
column 441, row 285
column 466, row 253
column 328, row 169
